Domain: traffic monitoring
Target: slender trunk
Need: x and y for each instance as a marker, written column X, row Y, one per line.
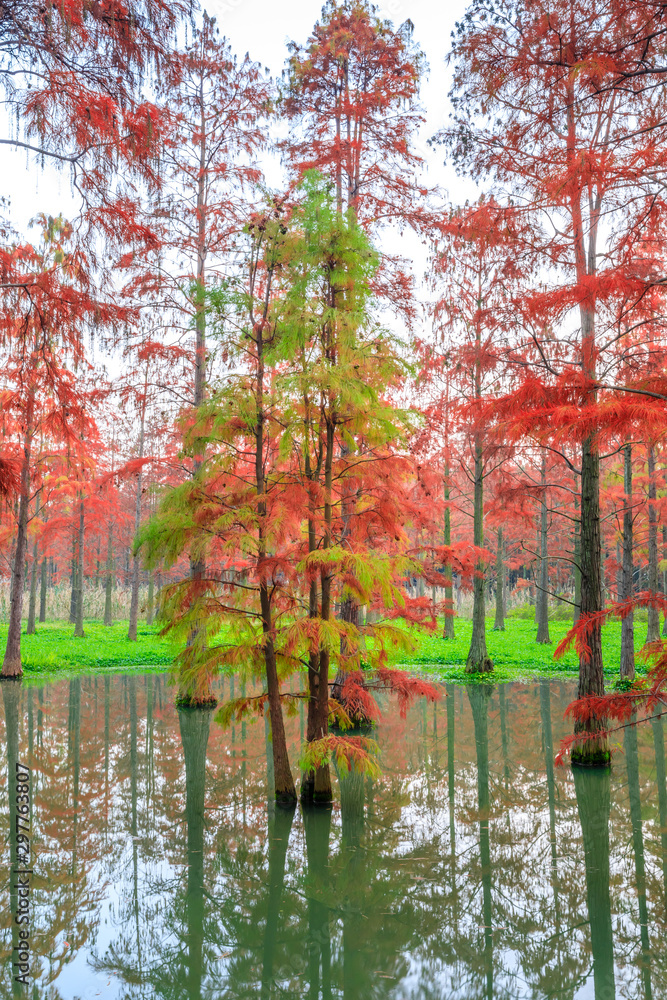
column 543, row 592
column 197, row 565
column 11, row 665
column 322, row 786
column 285, row 791
column 448, row 632
column 591, row 677
column 627, row 665
column 664, row 574
column 653, row 631
column 42, row 590
column 499, row 623
column 136, row 566
column 150, row 606
column 577, row 563
column 78, row 625
column 32, row 602
column 72, row 600
column 478, row 659
column 108, row 618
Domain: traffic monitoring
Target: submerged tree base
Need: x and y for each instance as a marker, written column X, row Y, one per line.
column 481, row 666
column 192, row 701
column 316, row 788
column 286, row 800
column 590, row 757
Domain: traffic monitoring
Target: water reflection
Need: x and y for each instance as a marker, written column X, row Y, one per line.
column 472, row 869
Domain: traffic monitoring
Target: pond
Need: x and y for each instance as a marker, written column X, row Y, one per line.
column 472, row 868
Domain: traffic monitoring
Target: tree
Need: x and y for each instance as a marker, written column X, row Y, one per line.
column 473, row 271
column 556, row 133
column 50, row 304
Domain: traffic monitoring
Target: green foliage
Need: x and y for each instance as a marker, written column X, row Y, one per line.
column 346, row 752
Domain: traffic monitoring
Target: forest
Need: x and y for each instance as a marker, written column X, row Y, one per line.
column 237, row 413
column 319, row 483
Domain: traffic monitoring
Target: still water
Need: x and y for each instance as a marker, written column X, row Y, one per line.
column 472, row 869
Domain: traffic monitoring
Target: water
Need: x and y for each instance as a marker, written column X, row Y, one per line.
column 472, row 869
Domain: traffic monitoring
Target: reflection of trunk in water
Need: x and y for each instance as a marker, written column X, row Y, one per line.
column 659, row 744
column 107, row 699
column 451, row 787
column 591, row 786
column 352, row 801
column 632, row 765
column 503, row 733
column 134, row 824
column 479, row 695
column 547, row 733
column 11, row 696
column 194, row 724
column 317, row 826
column 279, row 828
column 73, row 754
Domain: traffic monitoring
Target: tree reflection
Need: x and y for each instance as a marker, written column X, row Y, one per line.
column 11, row 696
column 279, row 828
column 194, row 725
column 659, row 745
column 632, row 764
column 317, row 827
column 592, row 789
column 479, row 695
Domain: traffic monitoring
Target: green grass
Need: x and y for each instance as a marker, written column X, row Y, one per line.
column 514, row 651
column 53, row 649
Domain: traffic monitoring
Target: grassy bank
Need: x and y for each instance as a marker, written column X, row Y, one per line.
column 53, row 648
column 515, row 653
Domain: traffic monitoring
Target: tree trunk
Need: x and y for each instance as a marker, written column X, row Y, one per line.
column 78, row 626
column 592, row 752
column 32, row 602
column 576, row 611
column 72, row 600
column 627, row 666
column 449, row 631
column 499, row 623
column 11, row 665
column 478, row 659
column 42, row 591
column 664, row 574
column 134, row 598
column 150, row 606
column 285, row 792
column 322, row 791
column 108, row 618
column 653, row 630
column 543, row 592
